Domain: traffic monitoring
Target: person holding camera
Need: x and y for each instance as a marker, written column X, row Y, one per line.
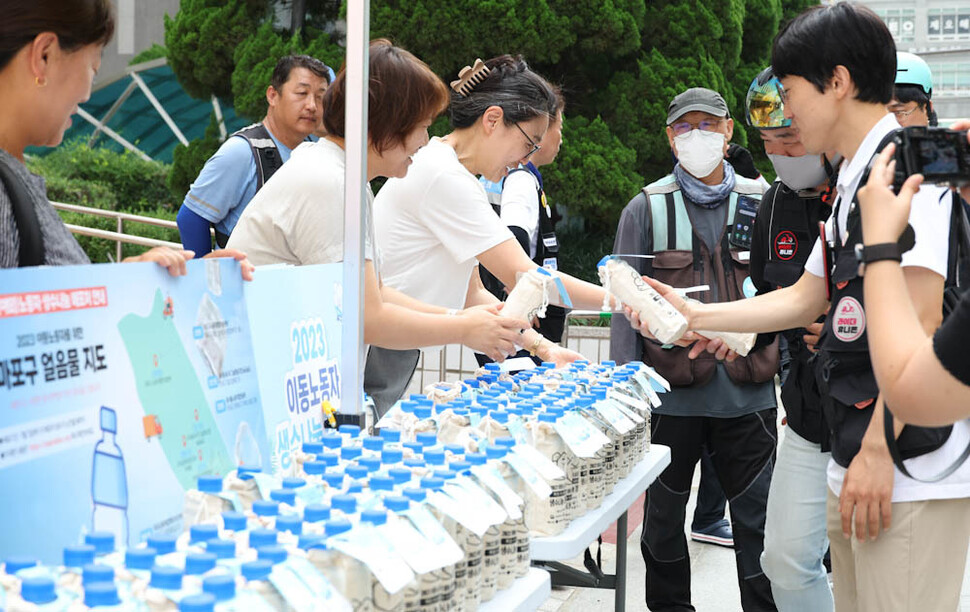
column 837, row 66
column 925, row 379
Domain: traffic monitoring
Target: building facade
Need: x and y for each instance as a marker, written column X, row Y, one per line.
column 939, row 32
column 140, row 23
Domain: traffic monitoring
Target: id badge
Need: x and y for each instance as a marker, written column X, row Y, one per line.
column 742, row 225
column 550, row 263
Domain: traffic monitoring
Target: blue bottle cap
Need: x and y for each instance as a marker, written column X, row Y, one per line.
column 425, row 402
column 608, row 363
column 391, row 435
column 162, row 543
column 349, row 453
column 332, row 440
column 356, row 471
column 392, row 455
column 374, row 517
column 413, row 462
column 426, row 438
column 332, row 459
column 38, row 590
column 266, row 507
column 496, row 452
column 273, row 554
column 199, row 563
column 344, row 503
column 313, row 448
column 397, row 503
column 500, row 416
column 432, row 483
column 165, row 577
column 434, row 457
column 263, row 537
column 408, row 406
column 355, row 487
column 256, row 570
column 547, row 417
column 423, row 412
column 487, row 379
column 599, row 394
column 374, row 443
column 232, row 521
column 491, row 404
column 210, row 484
column 314, row 513
column 415, row 494
column 245, row 472
column 350, row 430
column 445, row 474
column 283, row 496
column 336, row 526
column 460, row 466
column 103, row 541
column 221, row 586
column 455, row 449
column 222, row 549
column 381, row 483
column 315, row 468
column 202, row 602
column 506, row 385
column 461, row 411
column 476, row 458
column 140, row 558
column 371, row 463
column 415, row 447
column 101, row 594
column 400, row 475
column 472, row 382
column 493, row 367
column 12, row 565
column 506, row 441
column 80, row 555
column 290, row 522
column 97, row 572
column 334, row 479
column 202, row 533
column 292, row 482
column 309, row 540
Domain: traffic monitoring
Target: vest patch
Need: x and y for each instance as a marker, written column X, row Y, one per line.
column 786, row 245
column 850, row 320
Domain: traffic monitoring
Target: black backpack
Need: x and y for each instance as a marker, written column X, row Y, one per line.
column 25, row 218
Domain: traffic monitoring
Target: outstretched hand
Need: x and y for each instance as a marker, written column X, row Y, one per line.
column 245, row 267
column 172, row 260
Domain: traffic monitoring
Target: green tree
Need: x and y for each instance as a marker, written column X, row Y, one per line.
column 187, row 161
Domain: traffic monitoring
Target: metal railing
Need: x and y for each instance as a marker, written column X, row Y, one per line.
column 118, row 236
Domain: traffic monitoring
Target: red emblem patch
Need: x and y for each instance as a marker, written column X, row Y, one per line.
column 786, row 245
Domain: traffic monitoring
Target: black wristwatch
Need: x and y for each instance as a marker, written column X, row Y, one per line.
column 866, row 254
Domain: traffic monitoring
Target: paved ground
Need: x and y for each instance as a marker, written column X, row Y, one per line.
column 714, row 579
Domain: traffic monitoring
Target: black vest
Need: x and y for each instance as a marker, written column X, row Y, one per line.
column 792, row 232
column 843, row 368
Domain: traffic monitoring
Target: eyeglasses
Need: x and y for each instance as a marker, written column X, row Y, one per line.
column 707, row 125
column 535, row 146
column 900, row 113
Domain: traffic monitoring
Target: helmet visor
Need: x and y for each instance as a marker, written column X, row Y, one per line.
column 764, row 105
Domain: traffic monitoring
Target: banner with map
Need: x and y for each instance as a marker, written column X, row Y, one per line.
column 120, row 386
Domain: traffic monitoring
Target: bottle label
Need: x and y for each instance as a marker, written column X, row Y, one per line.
column 539, row 487
column 413, row 547
column 614, row 417
column 581, row 436
column 366, row 544
column 466, row 490
column 320, row 588
column 464, row 512
column 489, row 476
column 542, row 464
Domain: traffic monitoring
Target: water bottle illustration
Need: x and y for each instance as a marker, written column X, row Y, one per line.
column 109, row 486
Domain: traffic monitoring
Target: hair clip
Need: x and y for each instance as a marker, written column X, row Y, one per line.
column 469, row 77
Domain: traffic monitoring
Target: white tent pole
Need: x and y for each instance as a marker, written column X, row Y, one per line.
column 355, row 131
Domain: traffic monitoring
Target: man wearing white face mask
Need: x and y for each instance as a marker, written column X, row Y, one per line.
column 785, row 229
column 697, row 224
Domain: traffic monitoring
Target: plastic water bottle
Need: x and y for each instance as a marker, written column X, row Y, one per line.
column 109, row 486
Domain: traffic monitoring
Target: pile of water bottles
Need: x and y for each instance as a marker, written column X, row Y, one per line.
column 435, row 513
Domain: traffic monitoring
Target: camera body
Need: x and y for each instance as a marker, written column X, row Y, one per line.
column 942, row 156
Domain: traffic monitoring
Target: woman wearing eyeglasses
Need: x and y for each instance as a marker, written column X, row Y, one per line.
column 436, row 224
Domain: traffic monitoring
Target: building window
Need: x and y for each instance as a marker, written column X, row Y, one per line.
column 901, row 22
column 951, row 23
column 950, row 78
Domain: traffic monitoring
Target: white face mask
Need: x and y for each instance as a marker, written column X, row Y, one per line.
column 801, row 172
column 700, row 152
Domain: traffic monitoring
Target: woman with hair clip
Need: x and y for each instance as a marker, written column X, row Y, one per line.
column 924, row 378
column 436, row 223
column 297, row 217
column 50, row 51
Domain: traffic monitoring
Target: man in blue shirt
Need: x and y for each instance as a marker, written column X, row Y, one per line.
column 245, row 161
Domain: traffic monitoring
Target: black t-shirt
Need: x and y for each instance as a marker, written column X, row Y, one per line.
column 950, row 341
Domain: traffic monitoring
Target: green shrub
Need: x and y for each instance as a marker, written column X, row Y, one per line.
column 187, row 161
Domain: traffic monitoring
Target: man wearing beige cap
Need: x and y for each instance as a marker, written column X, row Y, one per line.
column 696, row 222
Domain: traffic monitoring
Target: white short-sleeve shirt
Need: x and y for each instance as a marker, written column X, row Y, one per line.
column 520, row 205
column 433, row 223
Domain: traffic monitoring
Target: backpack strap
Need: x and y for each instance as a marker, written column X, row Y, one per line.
column 263, row 147
column 25, row 218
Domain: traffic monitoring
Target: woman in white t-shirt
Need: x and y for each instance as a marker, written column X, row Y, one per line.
column 297, row 217
column 436, row 223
